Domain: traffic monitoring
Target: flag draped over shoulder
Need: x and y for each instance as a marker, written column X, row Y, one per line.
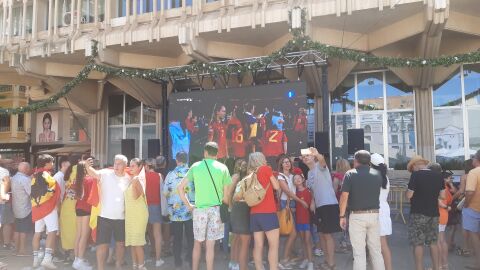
column 94, row 200
column 47, row 202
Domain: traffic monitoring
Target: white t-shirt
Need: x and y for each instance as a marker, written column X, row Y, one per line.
column 290, row 184
column 59, row 177
column 112, row 189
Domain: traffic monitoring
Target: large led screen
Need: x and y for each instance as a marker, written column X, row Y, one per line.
column 269, row 118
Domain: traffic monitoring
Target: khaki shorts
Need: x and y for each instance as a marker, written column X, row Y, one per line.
column 207, row 224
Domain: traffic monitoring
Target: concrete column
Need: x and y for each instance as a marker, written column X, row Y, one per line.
column 424, row 123
column 98, row 131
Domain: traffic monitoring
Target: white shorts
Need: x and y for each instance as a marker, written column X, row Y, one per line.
column 441, row 228
column 50, row 221
column 207, row 224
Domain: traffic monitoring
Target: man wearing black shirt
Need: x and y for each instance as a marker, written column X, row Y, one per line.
column 425, row 188
column 361, row 190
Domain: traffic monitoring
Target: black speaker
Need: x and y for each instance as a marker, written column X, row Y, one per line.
column 128, row 148
column 322, row 142
column 153, row 148
column 355, row 140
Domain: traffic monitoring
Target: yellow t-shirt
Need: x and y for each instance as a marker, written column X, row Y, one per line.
column 473, row 184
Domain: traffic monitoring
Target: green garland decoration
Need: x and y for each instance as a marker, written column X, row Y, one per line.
column 300, row 42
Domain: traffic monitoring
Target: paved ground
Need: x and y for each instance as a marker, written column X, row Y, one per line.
column 402, row 256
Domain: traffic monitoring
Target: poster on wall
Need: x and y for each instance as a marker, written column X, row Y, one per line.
column 271, row 119
column 47, row 127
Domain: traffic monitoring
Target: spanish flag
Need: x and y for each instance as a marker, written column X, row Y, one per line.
column 47, row 202
column 94, row 200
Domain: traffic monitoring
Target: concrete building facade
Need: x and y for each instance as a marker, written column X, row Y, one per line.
column 404, row 111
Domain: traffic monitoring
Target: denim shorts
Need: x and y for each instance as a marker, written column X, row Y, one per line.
column 154, row 214
column 302, row 227
column 263, row 222
column 471, row 220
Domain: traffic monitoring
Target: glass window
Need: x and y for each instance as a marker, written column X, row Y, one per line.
column 340, row 125
column 134, row 133
column 449, row 144
column 132, row 110
column 370, row 91
column 343, row 98
column 399, row 94
column 65, row 17
column 149, row 115
column 149, row 132
column 115, row 110
column 88, row 11
column 17, row 21
column 21, row 122
column 471, row 77
column 78, row 128
column 4, row 122
column 373, row 129
column 401, row 146
column 449, row 93
column 473, row 129
column 115, row 136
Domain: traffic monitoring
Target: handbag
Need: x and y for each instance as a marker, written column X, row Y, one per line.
column 224, row 214
column 285, row 219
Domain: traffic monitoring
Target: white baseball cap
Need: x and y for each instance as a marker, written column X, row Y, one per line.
column 377, row 159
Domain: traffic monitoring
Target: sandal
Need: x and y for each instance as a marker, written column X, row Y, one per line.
column 463, row 252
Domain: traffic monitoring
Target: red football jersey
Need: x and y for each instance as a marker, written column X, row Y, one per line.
column 302, row 213
column 273, row 143
column 238, row 140
column 217, row 132
column 301, row 123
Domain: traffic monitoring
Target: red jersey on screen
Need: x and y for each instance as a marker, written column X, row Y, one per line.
column 217, row 132
column 300, row 123
column 268, row 204
column 238, row 139
column 273, row 143
column 152, row 189
column 190, row 125
column 302, row 214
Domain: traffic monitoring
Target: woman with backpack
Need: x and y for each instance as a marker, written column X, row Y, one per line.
column 263, row 216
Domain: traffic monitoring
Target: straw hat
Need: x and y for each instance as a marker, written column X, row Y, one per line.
column 416, row 160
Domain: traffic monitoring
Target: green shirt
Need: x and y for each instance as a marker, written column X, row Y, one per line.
column 205, row 195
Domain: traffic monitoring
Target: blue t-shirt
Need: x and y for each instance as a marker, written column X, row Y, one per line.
column 177, row 210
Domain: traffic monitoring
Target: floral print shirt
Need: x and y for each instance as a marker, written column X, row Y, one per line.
column 177, row 210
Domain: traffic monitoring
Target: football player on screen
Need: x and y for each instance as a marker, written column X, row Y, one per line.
column 217, row 131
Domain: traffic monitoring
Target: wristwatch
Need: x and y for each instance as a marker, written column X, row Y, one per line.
column 342, row 216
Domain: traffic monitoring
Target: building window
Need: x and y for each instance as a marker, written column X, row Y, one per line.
column 4, row 122
column 129, row 118
column 457, row 129
column 381, row 104
column 21, row 122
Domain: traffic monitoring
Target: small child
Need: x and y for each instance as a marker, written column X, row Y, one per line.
column 302, row 220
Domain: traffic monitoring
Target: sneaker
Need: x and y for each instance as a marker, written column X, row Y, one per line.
column 76, row 264
column 303, row 264
column 284, row 266
column 318, row 252
column 48, row 263
column 83, row 265
column 310, row 266
column 36, row 261
column 58, row 259
column 159, row 263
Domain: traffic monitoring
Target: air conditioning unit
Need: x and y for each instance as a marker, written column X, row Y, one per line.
column 67, row 18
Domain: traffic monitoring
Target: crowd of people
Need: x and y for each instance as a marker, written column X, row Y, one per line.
column 138, row 201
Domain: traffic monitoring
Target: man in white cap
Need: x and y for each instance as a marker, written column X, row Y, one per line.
column 360, row 191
